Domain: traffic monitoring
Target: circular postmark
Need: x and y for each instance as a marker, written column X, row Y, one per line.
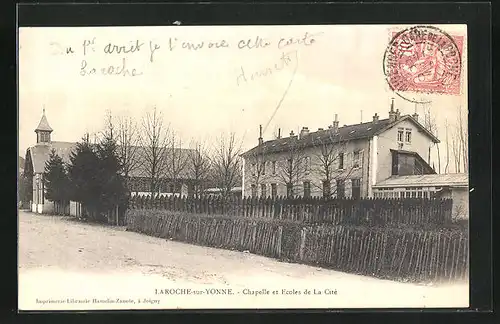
column 422, row 61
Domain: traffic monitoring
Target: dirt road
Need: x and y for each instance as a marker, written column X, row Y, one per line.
column 65, row 264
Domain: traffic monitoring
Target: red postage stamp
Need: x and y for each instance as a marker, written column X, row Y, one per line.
column 424, row 59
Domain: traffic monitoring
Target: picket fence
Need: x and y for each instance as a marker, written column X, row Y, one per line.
column 369, row 211
column 394, row 253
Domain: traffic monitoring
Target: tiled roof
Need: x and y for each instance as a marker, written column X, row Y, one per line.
column 44, row 125
column 40, row 154
column 431, row 180
column 327, row 136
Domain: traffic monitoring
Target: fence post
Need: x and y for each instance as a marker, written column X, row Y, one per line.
column 302, row 243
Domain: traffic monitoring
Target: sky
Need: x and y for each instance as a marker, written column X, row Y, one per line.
column 201, row 93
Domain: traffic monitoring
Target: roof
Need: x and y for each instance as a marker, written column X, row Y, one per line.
column 427, row 180
column 217, row 190
column 44, row 125
column 327, row 136
column 40, row 154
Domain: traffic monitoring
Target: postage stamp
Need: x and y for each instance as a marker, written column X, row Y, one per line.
column 424, row 60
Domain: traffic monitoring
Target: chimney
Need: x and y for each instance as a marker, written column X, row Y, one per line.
column 375, row 118
column 279, row 133
column 320, row 129
column 261, row 141
column 304, row 132
column 398, row 114
column 415, row 115
column 335, row 124
column 291, row 133
column 392, row 113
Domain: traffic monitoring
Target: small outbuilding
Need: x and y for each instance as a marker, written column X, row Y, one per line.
column 453, row 186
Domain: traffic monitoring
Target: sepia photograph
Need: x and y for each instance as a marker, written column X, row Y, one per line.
column 243, row 167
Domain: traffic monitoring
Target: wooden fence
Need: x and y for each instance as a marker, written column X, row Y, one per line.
column 370, row 211
column 395, row 253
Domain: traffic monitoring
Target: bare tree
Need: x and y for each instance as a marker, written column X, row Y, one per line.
column 456, row 150
column 463, row 137
column 198, row 166
column 446, row 167
column 293, row 168
column 431, row 125
column 330, row 163
column 128, row 141
column 226, row 163
column 177, row 161
column 154, row 140
column 258, row 162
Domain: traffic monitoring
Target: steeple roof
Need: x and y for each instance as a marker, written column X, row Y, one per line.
column 44, row 124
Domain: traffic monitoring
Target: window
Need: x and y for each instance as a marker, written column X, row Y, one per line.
column 355, row 159
column 263, row 190
column 254, row 191
column 274, row 190
column 274, row 167
column 356, row 188
column 395, row 163
column 307, row 189
column 340, row 188
column 43, row 137
column 308, row 163
column 289, row 190
column 341, row 160
column 400, row 134
column 408, row 135
column 253, row 169
column 263, row 167
column 326, row 189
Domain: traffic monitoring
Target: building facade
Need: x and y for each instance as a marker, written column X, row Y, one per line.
column 338, row 161
column 35, row 159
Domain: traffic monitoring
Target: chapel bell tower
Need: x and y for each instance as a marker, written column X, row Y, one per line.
column 43, row 130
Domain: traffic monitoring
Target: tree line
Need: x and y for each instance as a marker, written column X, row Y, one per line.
column 101, row 169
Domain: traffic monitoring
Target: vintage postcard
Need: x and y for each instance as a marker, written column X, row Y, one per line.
column 212, row 167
